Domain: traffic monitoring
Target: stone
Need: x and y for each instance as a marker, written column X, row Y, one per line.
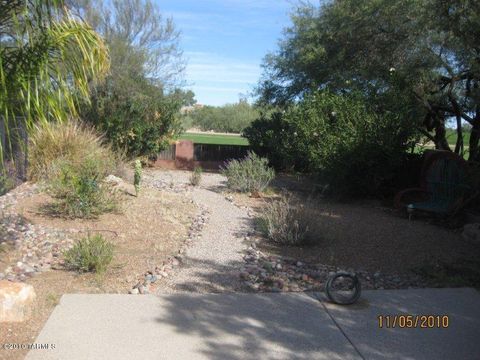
column 16, row 301
column 175, row 262
column 114, row 180
column 134, row 291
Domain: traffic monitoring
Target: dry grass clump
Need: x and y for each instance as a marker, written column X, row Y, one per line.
column 250, row 174
column 73, row 161
column 286, row 222
column 90, row 254
column 71, row 142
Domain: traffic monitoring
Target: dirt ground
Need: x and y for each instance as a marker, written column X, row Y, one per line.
column 148, row 230
column 366, row 235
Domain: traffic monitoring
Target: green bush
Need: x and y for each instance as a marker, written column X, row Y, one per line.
column 251, row 174
column 6, row 184
column 285, row 223
column 90, row 254
column 135, row 116
column 228, row 118
column 79, row 191
column 338, row 138
column 196, row 176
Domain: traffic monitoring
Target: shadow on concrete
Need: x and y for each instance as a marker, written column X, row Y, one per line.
column 261, row 326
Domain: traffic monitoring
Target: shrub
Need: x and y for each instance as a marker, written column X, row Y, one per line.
column 90, row 254
column 196, row 176
column 339, row 138
column 251, row 174
column 6, row 184
column 227, row 118
column 79, row 191
column 70, row 142
column 284, row 223
column 137, row 176
column 134, row 114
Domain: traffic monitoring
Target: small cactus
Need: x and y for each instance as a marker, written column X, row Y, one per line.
column 138, row 176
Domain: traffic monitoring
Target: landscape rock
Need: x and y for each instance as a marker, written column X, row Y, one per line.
column 134, row 291
column 269, row 273
column 16, row 301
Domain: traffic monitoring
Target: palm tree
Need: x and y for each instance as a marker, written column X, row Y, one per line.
column 48, row 60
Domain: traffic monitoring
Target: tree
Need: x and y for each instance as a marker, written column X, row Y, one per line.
column 418, row 58
column 337, row 138
column 227, row 118
column 48, row 59
column 136, row 106
column 140, row 39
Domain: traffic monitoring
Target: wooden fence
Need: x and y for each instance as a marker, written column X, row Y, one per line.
column 186, row 155
column 168, row 153
column 218, row 153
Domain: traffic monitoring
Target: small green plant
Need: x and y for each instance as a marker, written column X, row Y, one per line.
column 251, row 174
column 90, row 254
column 285, row 223
column 79, row 192
column 196, row 176
column 6, row 184
column 138, row 176
column 53, row 299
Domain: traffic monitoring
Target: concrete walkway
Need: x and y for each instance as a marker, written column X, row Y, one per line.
column 259, row 326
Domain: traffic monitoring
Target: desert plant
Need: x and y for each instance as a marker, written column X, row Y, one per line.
column 79, row 191
column 137, row 176
column 6, row 184
column 196, row 176
column 286, row 223
column 250, row 174
column 49, row 60
column 71, row 142
column 90, row 254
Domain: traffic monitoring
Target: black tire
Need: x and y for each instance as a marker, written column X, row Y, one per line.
column 342, row 299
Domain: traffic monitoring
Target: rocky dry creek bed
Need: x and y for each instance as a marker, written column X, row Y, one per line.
column 34, row 248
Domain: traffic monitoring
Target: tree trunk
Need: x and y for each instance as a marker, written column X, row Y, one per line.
column 475, row 139
column 441, row 142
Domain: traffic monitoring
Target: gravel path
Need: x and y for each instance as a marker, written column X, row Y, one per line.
column 214, row 260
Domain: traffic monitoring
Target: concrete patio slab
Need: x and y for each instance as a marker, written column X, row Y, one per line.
column 192, row 326
column 460, row 341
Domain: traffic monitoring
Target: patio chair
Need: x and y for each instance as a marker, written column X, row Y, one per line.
column 443, row 188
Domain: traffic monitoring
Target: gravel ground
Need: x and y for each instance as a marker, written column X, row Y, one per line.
column 214, row 259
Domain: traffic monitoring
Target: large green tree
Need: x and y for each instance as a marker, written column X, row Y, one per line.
column 418, row 58
column 227, row 118
column 136, row 107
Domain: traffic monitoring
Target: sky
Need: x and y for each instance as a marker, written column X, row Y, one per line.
column 224, row 42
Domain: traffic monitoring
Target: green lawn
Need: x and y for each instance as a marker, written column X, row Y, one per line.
column 214, row 139
column 452, row 137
